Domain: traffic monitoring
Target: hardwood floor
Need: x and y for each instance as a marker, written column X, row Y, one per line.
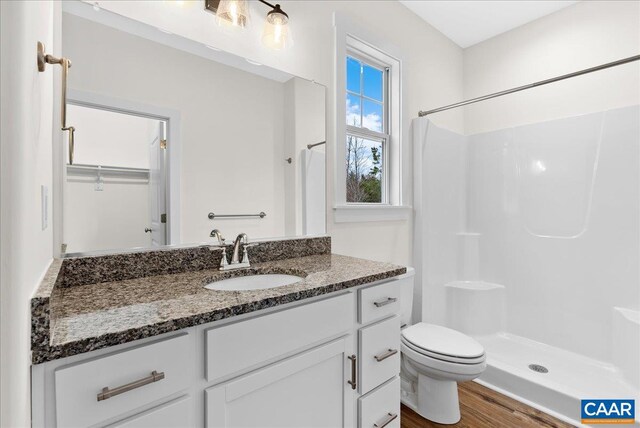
column 482, row 407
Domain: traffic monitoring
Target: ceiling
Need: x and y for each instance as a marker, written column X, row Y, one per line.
column 471, row 22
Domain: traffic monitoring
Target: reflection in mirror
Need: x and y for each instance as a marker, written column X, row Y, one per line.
column 169, row 131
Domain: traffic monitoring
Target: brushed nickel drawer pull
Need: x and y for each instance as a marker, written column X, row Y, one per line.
column 353, row 382
column 386, row 355
column 385, row 302
column 389, row 418
column 108, row 393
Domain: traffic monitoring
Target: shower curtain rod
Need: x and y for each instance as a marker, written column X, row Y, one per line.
column 531, row 85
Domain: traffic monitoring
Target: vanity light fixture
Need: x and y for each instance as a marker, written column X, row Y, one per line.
column 275, row 33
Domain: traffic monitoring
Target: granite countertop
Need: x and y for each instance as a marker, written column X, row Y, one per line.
column 77, row 319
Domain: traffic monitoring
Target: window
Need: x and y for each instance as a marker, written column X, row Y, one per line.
column 370, row 148
column 367, row 130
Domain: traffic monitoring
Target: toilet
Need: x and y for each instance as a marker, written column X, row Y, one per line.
column 434, row 360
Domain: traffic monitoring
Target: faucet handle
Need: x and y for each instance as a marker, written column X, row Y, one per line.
column 245, row 254
column 223, row 261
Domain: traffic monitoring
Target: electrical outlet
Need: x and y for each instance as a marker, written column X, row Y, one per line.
column 44, row 203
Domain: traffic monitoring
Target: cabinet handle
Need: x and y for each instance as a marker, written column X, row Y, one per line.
column 108, row 393
column 388, row 419
column 353, row 382
column 385, row 302
column 386, row 355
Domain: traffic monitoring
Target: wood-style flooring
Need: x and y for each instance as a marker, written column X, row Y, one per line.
column 482, row 407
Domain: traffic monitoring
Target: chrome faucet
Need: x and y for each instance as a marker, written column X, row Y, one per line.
column 236, row 247
column 236, row 263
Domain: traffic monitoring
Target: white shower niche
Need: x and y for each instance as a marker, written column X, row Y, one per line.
column 475, row 308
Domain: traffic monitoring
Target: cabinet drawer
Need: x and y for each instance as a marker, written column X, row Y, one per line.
column 381, row 408
column 379, row 301
column 379, row 353
column 257, row 341
column 78, row 386
column 174, row 414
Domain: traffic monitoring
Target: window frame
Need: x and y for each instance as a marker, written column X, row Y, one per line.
column 350, row 36
column 361, row 132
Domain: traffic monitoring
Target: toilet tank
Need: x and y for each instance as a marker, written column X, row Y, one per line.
column 406, row 295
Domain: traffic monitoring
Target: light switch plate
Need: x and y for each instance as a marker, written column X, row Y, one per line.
column 44, row 202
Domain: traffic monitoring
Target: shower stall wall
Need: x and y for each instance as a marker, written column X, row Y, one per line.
column 528, row 239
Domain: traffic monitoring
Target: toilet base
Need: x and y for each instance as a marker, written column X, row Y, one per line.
column 437, row 400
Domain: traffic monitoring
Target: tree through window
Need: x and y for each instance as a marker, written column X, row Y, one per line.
column 367, row 130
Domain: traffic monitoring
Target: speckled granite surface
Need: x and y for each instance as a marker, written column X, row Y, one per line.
column 94, row 316
column 117, row 267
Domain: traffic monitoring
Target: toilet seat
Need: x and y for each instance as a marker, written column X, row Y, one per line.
column 443, row 344
column 440, row 357
column 440, row 369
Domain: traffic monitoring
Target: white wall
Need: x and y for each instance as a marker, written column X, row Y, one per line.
column 433, row 66
column 108, row 138
column 232, row 162
column 583, row 35
column 26, row 127
column 114, row 218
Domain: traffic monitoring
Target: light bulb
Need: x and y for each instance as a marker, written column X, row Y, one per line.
column 233, row 12
column 275, row 34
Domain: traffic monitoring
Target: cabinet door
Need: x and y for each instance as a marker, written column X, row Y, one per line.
column 307, row 390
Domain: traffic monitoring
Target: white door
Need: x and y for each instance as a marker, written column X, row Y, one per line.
column 157, row 186
column 308, row 390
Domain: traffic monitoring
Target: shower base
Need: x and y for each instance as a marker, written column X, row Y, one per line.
column 569, row 377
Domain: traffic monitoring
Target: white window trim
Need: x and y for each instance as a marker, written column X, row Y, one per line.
column 348, row 37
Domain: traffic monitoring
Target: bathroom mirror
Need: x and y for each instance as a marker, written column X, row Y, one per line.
column 174, row 139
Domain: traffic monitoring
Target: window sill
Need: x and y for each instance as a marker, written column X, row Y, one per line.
column 361, row 213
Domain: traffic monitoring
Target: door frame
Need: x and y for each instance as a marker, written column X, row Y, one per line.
column 173, row 167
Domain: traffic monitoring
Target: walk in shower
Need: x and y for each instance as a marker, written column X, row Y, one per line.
column 527, row 239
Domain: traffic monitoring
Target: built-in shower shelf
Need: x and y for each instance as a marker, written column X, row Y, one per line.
column 476, row 307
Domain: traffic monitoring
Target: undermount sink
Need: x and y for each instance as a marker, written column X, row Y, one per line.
column 253, row 282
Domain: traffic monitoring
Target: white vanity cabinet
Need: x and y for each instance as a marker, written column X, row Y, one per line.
column 330, row 361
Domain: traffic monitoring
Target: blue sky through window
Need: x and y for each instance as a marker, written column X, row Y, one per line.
column 365, row 95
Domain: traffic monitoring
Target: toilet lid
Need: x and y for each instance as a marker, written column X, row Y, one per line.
column 442, row 340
